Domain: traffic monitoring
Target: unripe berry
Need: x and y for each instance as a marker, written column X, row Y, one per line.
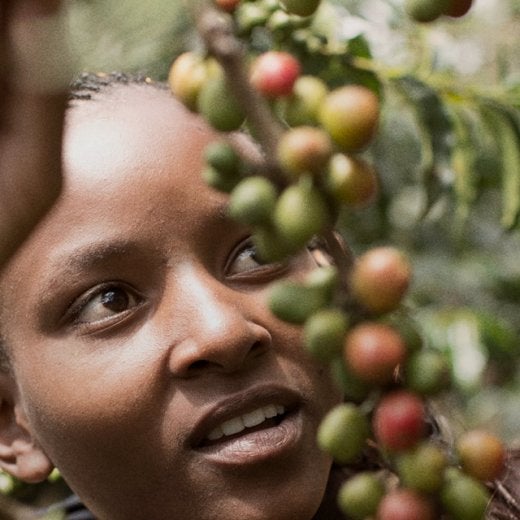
column 481, row 455
column 217, row 104
column 422, row 468
column 324, row 333
column 270, row 246
column 380, row 279
column 302, row 106
column 350, row 115
column 222, row 156
column 304, row 149
column 274, row 73
column 300, row 213
column 427, row 372
column 343, row 433
column 351, row 180
column 252, row 201
column 463, row 497
column 186, row 77
column 399, row 421
column 373, row 351
column 359, row 497
column 425, row 11
column 300, row 7
column 294, row 302
column 405, row 504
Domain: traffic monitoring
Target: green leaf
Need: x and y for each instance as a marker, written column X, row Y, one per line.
column 434, row 130
column 506, row 128
column 464, row 160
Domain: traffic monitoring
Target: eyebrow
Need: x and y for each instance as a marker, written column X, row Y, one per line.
column 79, row 260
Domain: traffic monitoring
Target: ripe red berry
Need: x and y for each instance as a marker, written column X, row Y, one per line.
column 405, row 504
column 227, row 5
column 373, row 351
column 274, row 73
column 458, row 8
column 380, row 279
column 399, row 421
column 481, row 454
column 304, row 149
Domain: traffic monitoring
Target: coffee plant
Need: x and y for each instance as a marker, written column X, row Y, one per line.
column 314, row 104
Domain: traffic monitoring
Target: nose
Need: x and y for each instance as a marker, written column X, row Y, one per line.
column 219, row 336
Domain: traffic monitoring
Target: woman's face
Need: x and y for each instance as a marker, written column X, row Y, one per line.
column 148, row 366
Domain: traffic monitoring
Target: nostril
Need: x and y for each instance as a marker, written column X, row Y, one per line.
column 198, row 365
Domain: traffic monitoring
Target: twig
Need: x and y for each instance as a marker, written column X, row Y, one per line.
column 216, row 31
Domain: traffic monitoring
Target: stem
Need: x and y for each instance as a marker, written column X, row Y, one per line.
column 216, row 31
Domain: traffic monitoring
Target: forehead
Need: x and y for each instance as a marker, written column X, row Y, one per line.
column 132, row 161
column 129, row 127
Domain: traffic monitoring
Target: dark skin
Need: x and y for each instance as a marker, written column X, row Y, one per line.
column 153, row 305
column 30, row 129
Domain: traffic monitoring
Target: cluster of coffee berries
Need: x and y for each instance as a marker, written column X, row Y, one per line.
column 317, row 152
column 373, row 349
column 426, row 11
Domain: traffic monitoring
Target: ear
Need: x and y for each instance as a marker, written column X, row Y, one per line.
column 20, row 453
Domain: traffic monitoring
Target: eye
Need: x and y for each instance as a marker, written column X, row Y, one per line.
column 104, row 302
column 245, row 262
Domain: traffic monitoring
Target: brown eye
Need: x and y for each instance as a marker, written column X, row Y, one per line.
column 104, row 303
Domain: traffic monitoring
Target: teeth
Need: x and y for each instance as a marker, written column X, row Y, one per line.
column 254, row 418
column 270, row 411
column 248, row 420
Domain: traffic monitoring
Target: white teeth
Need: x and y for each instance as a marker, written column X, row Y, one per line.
column 254, row 418
column 248, row 420
column 270, row 411
column 233, row 426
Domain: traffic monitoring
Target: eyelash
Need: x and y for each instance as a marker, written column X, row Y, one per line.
column 81, row 304
column 261, row 270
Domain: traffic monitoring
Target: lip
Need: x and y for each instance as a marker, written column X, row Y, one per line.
column 256, row 445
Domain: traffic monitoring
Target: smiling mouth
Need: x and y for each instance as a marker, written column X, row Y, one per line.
column 259, row 419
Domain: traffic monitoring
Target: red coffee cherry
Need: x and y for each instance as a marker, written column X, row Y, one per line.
column 373, row 351
column 304, row 149
column 405, row 504
column 274, row 73
column 350, row 114
column 458, row 8
column 227, row 5
column 399, row 421
column 481, row 455
column 380, row 279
